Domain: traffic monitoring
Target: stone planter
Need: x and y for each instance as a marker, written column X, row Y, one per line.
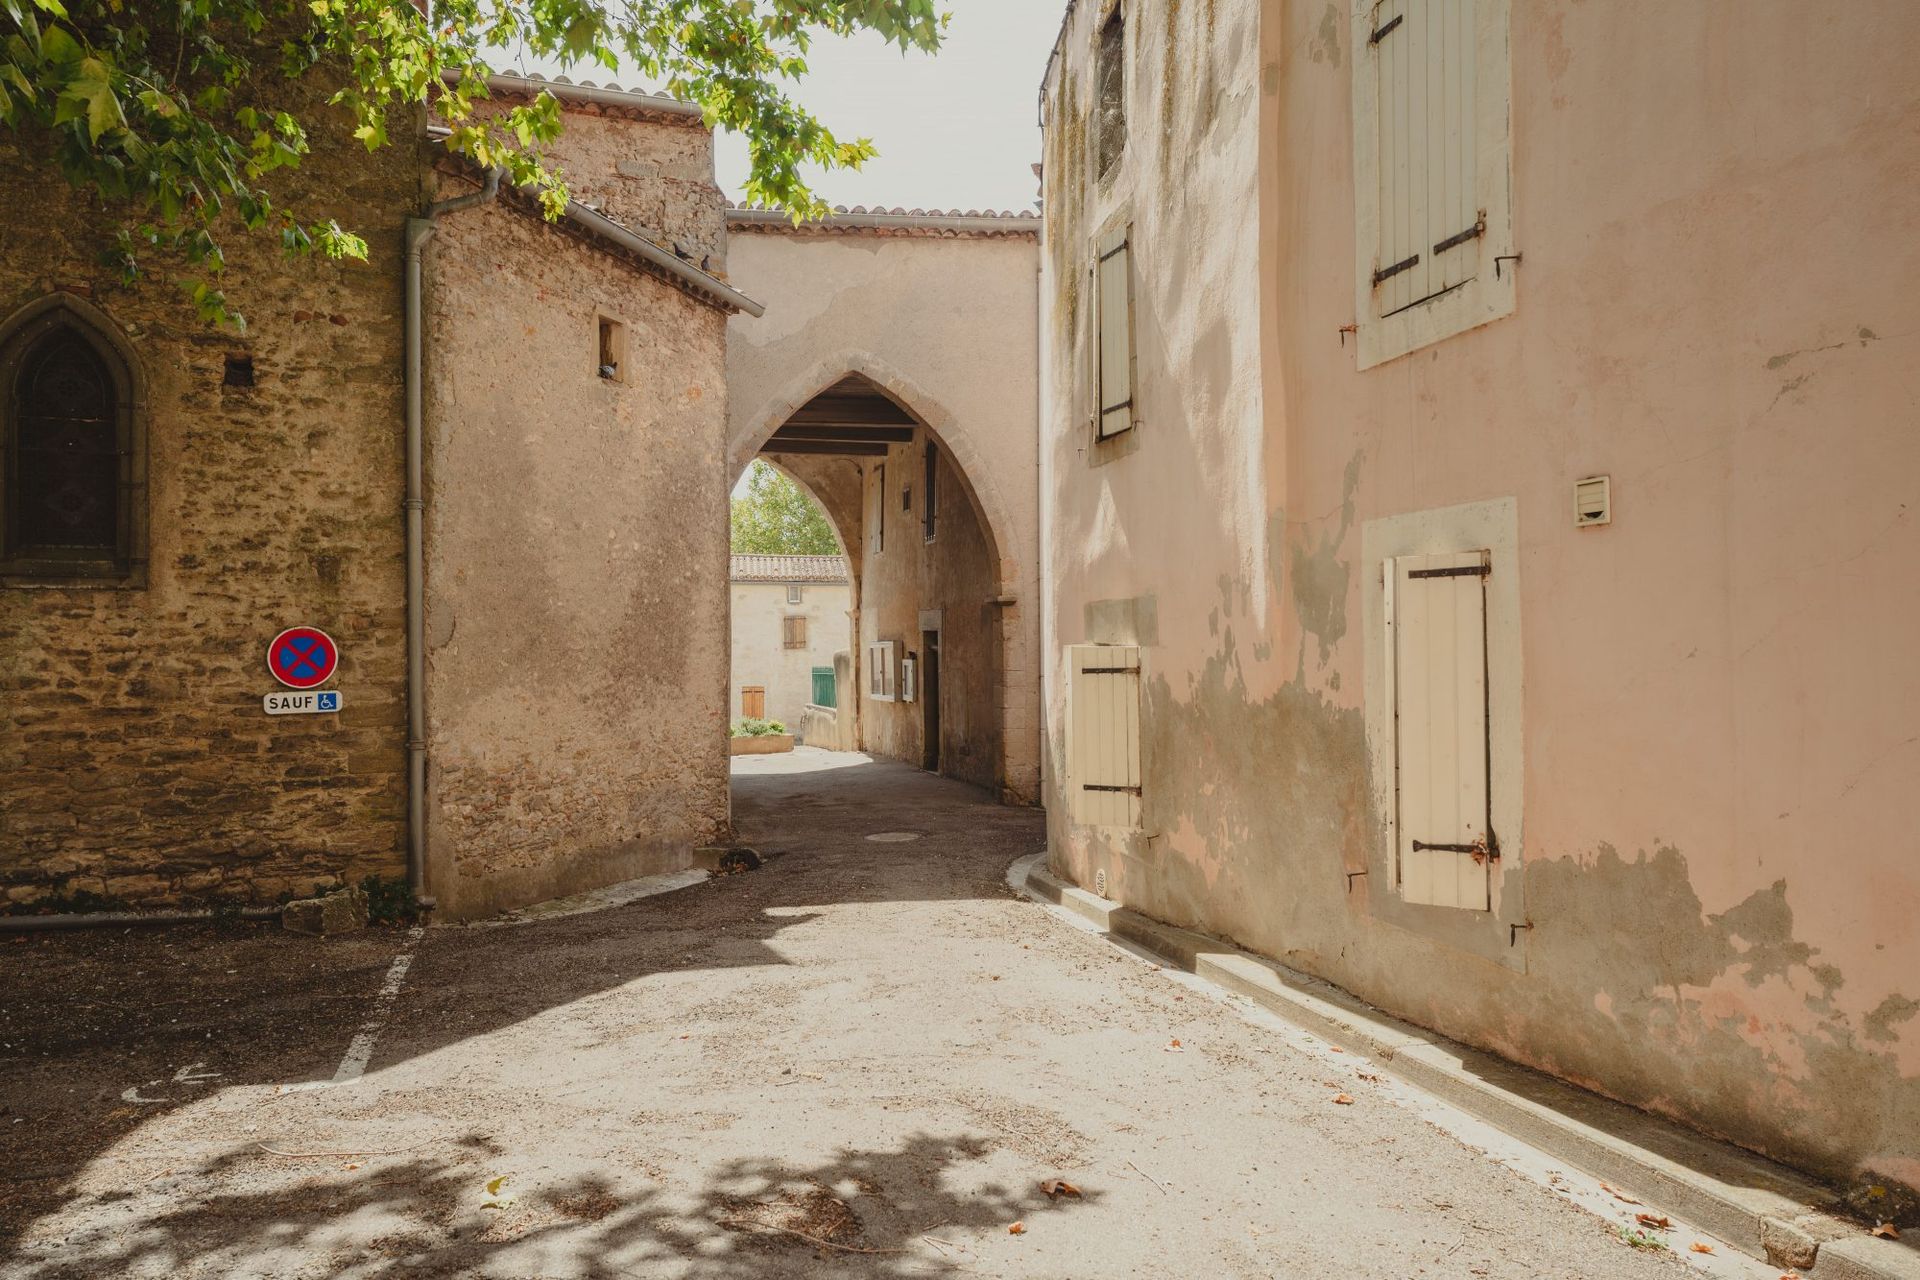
column 765, row 745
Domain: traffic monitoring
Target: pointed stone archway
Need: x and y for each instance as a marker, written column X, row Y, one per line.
column 858, row 384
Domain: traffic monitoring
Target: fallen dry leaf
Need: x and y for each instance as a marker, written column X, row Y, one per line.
column 1017, row 1229
column 1653, row 1220
column 1059, row 1187
column 1368, row 1076
column 1336, row 1048
column 1791, row 1275
column 1701, row 1246
column 351, row 1164
column 1174, row 1046
column 1887, row 1231
column 1618, row 1194
column 1344, row 1099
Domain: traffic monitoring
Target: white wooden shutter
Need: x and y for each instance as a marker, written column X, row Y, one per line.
column 1103, row 734
column 1431, row 214
column 1113, row 360
column 1436, row 617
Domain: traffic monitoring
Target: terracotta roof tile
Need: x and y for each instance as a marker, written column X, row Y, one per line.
column 759, row 568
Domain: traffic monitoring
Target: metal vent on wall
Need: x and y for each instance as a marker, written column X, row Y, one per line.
column 1593, row 501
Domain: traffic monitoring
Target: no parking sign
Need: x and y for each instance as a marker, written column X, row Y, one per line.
column 302, row 657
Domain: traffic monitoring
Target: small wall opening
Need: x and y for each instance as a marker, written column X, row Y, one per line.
column 612, row 350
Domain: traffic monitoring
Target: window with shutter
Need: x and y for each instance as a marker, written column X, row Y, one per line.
column 753, row 702
column 1113, row 355
column 880, row 672
column 1431, row 90
column 1103, row 735
column 1436, row 620
column 794, row 632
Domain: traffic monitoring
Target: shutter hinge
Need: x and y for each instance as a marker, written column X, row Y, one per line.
column 1383, row 32
column 1458, row 238
column 1097, row 786
column 1386, row 273
column 1109, row 671
column 1463, row 571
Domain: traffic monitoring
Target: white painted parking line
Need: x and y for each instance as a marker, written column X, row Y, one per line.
column 360, row 1051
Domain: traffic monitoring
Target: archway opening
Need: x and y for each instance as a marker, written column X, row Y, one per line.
column 922, row 679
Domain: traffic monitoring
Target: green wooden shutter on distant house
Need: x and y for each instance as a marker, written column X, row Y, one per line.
column 823, row 691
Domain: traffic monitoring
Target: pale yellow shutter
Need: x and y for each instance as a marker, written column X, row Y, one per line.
column 1437, row 636
column 1430, row 210
column 1103, row 735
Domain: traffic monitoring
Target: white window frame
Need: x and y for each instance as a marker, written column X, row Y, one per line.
column 880, row 672
column 1489, row 294
column 1118, row 241
column 909, row 677
column 793, row 593
column 1492, row 527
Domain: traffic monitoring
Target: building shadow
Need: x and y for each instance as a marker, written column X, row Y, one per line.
column 101, row 1033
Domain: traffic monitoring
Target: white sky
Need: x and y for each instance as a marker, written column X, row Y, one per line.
column 958, row 130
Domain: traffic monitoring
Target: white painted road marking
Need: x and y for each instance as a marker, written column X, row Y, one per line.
column 354, row 1065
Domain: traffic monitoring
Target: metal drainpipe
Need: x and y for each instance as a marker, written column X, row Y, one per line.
column 419, row 230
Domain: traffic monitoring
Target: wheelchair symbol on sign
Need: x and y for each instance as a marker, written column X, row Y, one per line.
column 328, row 702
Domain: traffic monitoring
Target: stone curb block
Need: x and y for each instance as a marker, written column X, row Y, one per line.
column 1759, row 1207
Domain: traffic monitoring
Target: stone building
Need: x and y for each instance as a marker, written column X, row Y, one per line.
column 790, row 619
column 210, row 488
column 894, row 376
column 492, row 464
column 1480, row 539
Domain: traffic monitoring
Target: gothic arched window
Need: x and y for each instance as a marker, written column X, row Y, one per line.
column 73, row 483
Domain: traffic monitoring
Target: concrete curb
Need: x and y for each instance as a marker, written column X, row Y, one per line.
column 1761, row 1208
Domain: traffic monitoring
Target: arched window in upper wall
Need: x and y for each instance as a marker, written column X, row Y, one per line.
column 71, row 506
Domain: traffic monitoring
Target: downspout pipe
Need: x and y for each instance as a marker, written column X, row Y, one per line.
column 419, row 230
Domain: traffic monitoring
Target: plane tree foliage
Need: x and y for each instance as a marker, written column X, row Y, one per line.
column 167, row 111
column 776, row 517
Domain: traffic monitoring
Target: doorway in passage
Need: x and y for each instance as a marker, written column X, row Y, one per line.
column 930, row 701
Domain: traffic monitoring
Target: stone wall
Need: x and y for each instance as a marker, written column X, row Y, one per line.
column 903, row 307
column 577, row 634
column 910, row 586
column 136, row 762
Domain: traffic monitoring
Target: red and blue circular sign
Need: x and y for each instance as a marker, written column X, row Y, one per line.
column 302, row 657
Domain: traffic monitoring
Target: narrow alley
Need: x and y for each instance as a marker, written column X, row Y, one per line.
column 863, row 1059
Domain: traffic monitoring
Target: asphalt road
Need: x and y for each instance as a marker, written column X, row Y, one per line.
column 862, row 1060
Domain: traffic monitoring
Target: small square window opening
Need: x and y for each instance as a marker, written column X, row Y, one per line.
column 239, row 371
column 613, row 350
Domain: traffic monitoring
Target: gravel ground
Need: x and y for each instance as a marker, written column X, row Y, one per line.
column 862, row 1060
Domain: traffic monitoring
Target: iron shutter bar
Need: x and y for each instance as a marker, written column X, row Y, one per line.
column 1383, row 32
column 1405, row 264
column 1463, row 571
column 1458, row 238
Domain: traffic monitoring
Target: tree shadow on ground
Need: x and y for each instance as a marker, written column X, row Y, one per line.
column 88, row 1017
column 912, row 1210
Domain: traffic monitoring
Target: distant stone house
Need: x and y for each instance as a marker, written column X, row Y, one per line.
column 176, row 496
column 790, row 619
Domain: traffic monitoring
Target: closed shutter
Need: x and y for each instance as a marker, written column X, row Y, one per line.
column 824, row 693
column 753, row 702
column 794, row 632
column 1103, row 735
column 1436, row 617
column 1431, row 213
column 1113, row 361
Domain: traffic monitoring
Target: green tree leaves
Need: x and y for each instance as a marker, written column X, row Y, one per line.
column 775, row 517
column 170, row 112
